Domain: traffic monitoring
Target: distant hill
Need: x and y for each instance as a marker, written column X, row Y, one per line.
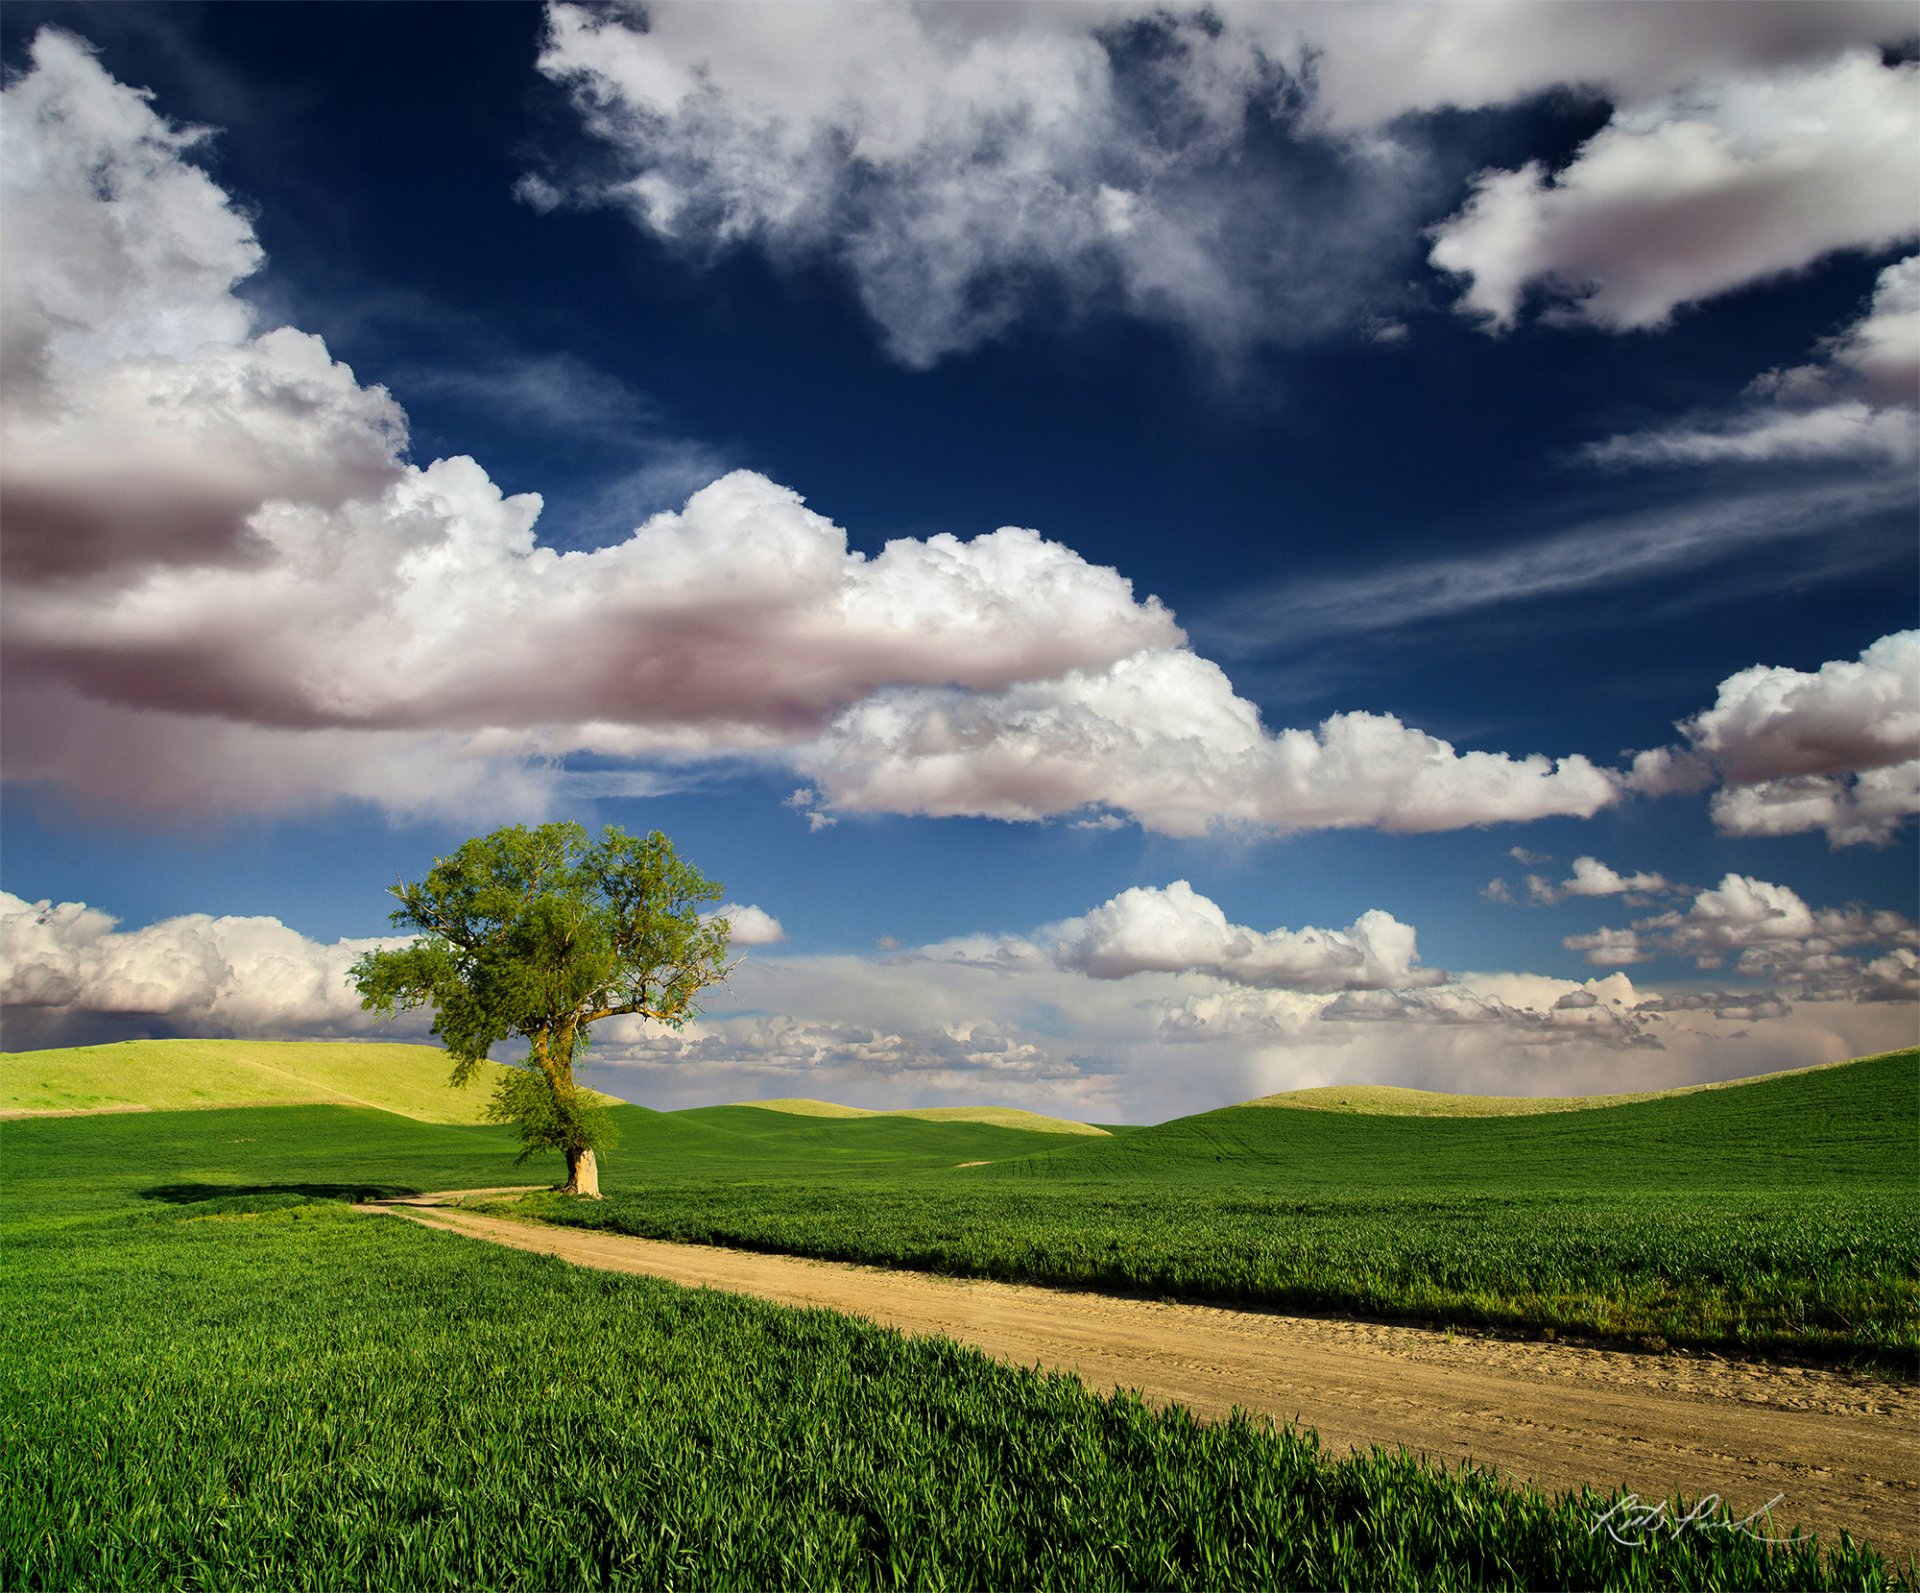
column 169, row 1075
column 999, row 1116
column 1388, row 1100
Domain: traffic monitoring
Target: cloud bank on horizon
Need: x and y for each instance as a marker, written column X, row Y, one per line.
column 233, row 590
column 1152, row 969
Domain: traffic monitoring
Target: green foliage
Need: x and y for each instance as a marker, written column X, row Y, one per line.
column 267, row 1390
column 525, row 1098
column 536, row 934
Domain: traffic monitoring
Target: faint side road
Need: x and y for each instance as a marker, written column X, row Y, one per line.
column 1843, row 1452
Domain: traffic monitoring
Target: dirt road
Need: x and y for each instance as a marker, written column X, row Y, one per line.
column 1839, row 1451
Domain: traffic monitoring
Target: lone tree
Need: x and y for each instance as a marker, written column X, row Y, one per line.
column 538, row 933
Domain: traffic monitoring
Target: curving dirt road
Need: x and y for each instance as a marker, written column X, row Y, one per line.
column 1839, row 1451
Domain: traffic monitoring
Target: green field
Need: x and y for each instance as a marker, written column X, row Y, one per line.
column 1776, row 1216
column 216, row 1375
column 1390, row 1100
column 167, row 1075
column 1005, row 1116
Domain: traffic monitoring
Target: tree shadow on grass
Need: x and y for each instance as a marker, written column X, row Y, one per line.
column 193, row 1194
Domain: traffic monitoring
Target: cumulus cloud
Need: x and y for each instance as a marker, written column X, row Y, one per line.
column 1881, row 351
column 1591, row 877
column 117, row 246
column 228, row 588
column 142, row 420
column 1866, row 809
column 1834, row 749
column 1162, row 737
column 1174, row 929
column 194, row 974
column 1177, row 930
column 1743, row 913
column 1770, row 933
column 1733, row 179
column 751, row 926
column 1609, row 948
column 1511, row 1009
column 930, row 1027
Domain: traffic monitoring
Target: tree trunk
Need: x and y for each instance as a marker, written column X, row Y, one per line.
column 583, row 1175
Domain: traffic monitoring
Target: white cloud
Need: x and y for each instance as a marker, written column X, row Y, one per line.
column 1161, row 737
column 1866, row 809
column 1609, row 948
column 1229, row 169
column 1848, row 429
column 1734, row 179
column 1591, row 877
column 204, row 975
column 1833, row 749
column 1770, row 721
column 228, row 590
column 1882, row 350
column 751, row 926
column 955, row 1023
column 116, row 246
column 948, row 158
column 1373, row 63
column 1585, row 557
column 1771, row 934
column 1860, row 404
column 1177, row 930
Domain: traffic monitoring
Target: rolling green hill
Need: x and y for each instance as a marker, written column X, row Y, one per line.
column 1387, row 1100
column 1774, row 1216
column 1769, row 1216
column 732, row 1143
column 1004, row 1116
column 1850, row 1123
column 171, row 1075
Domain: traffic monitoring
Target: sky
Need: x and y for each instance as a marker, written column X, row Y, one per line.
column 1160, row 554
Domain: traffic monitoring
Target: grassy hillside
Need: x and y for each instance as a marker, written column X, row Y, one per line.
column 1004, row 1116
column 171, row 1075
column 731, row 1143
column 1773, row 1217
column 1851, row 1123
column 1387, row 1100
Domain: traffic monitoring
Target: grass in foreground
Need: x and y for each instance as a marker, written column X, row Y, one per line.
column 1775, row 1217
column 236, row 1384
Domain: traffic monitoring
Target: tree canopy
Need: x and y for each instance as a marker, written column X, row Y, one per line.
column 535, row 934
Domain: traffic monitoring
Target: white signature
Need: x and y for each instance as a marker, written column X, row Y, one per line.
column 1632, row 1524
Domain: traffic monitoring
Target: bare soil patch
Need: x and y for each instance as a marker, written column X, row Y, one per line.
column 1839, row 1451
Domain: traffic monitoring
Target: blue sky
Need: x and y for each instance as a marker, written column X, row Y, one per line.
column 1445, row 443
